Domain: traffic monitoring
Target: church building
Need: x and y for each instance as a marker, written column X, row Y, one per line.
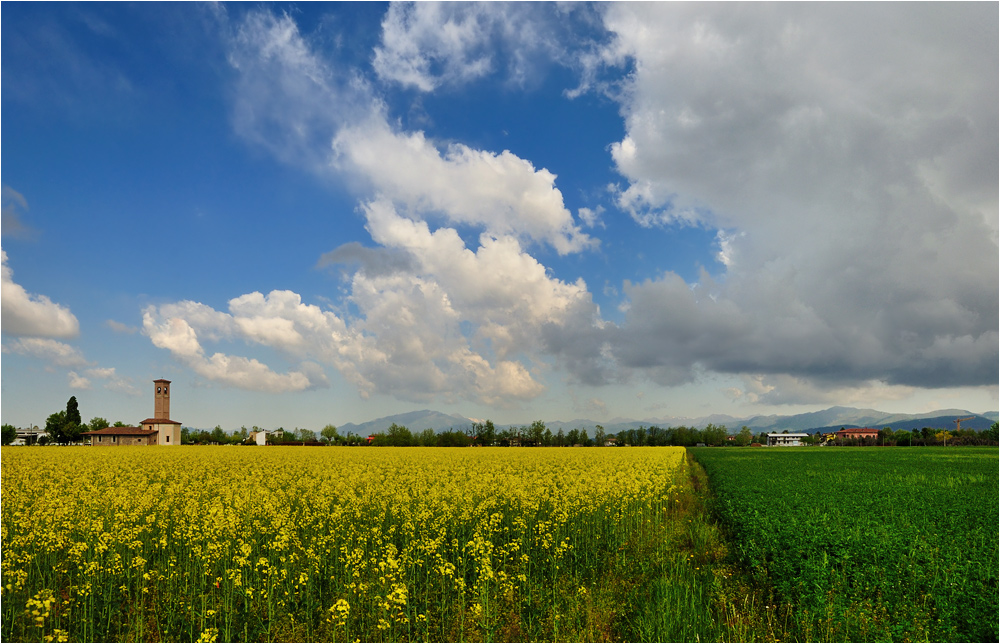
column 158, row 430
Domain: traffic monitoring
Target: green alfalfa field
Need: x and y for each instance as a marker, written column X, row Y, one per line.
column 857, row 544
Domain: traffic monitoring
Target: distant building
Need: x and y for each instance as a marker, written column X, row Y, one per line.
column 29, row 436
column 259, row 437
column 158, row 430
column 857, row 432
column 785, row 440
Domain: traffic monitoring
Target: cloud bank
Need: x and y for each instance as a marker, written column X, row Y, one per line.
column 850, row 156
column 845, row 157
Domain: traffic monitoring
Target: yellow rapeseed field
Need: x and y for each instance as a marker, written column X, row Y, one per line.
column 252, row 544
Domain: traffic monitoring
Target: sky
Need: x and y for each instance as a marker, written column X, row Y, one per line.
column 304, row 214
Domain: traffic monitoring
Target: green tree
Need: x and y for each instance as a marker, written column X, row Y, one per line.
column 485, row 432
column 9, row 434
column 684, row 436
column 73, row 411
column 453, row 439
column 97, row 423
column 219, row 436
column 536, row 432
column 54, row 426
column 599, row 436
column 399, row 436
column 715, row 435
column 306, row 435
column 427, row 438
column 73, row 426
column 745, row 437
column 329, row 434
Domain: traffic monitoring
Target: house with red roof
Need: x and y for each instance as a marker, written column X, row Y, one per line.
column 857, row 432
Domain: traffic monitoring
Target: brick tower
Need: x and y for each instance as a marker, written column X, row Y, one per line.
column 168, row 432
column 161, row 400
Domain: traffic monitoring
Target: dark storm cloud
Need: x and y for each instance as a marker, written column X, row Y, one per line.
column 849, row 154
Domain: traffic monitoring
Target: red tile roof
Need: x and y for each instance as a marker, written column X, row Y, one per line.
column 858, row 431
column 121, row 431
column 160, row 421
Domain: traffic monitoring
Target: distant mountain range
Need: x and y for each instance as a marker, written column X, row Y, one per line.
column 827, row 420
column 979, row 423
column 413, row 420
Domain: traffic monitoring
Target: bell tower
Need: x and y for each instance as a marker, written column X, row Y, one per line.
column 161, row 400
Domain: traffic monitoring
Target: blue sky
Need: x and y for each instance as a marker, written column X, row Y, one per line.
column 327, row 213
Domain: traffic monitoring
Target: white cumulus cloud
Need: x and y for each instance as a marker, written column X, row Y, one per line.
column 434, row 318
column 500, row 192
column 429, row 45
column 450, row 323
column 52, row 351
column 176, row 328
column 25, row 314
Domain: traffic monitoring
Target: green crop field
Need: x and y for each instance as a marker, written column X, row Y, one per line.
column 492, row 544
column 864, row 544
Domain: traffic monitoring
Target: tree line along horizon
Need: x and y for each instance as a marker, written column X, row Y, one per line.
column 67, row 427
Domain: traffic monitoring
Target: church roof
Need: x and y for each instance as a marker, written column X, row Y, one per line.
column 160, row 421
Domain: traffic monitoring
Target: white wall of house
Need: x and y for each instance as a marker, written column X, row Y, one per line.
column 785, row 440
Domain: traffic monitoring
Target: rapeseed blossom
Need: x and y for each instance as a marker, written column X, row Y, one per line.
column 207, row 543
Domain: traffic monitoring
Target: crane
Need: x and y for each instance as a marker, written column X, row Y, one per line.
column 958, row 423
column 958, row 426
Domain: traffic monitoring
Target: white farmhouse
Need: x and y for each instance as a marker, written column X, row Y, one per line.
column 786, row 440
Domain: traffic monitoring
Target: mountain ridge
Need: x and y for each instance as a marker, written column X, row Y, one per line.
column 825, row 419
